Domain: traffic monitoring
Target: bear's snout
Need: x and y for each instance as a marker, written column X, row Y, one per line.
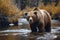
column 30, row 19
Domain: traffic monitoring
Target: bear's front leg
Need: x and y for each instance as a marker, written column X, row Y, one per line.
column 48, row 27
column 33, row 28
column 41, row 27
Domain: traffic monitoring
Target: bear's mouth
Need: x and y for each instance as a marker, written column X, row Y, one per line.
column 30, row 22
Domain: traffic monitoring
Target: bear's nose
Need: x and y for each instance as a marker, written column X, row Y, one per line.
column 30, row 20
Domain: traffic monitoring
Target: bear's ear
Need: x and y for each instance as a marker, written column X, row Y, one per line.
column 26, row 13
column 35, row 9
column 35, row 13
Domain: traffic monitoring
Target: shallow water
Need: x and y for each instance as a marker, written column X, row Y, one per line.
column 25, row 34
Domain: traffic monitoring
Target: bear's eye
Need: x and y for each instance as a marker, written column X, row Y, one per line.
column 28, row 17
column 33, row 17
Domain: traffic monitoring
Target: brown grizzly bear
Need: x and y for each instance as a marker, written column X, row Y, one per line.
column 39, row 20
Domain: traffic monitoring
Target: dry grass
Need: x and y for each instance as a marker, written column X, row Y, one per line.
column 10, row 10
column 51, row 8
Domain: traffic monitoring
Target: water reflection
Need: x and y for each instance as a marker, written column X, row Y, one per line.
column 23, row 31
column 25, row 34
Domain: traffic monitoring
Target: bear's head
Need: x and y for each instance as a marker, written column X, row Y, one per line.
column 32, row 16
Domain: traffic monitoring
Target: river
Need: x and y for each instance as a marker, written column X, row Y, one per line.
column 23, row 33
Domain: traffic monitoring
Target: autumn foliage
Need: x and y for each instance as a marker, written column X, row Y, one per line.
column 49, row 7
column 13, row 13
column 10, row 10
